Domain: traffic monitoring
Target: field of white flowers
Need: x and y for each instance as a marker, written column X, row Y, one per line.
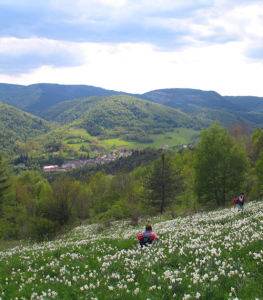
column 214, row 255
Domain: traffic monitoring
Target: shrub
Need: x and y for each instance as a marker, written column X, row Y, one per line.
column 114, row 213
column 42, row 229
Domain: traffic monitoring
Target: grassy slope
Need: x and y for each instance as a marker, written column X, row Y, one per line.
column 214, row 255
column 180, row 136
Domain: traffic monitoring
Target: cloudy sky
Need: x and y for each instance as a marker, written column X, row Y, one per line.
column 134, row 45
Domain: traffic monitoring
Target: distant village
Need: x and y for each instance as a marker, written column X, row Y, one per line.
column 74, row 164
column 108, row 157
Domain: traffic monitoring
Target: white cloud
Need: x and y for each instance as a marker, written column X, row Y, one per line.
column 137, row 68
column 17, row 55
column 213, row 45
column 14, row 46
column 114, row 3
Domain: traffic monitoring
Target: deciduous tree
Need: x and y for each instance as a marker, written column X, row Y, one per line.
column 257, row 145
column 220, row 166
column 62, row 206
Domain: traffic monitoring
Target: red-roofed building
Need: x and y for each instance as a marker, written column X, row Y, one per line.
column 50, row 168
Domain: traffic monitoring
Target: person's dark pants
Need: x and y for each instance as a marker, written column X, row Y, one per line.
column 143, row 243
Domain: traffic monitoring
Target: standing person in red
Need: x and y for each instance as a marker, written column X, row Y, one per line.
column 147, row 236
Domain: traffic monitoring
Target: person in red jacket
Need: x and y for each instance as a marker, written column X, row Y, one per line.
column 147, row 236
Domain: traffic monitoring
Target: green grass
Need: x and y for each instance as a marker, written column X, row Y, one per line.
column 180, row 136
column 215, row 255
column 78, row 132
column 78, row 136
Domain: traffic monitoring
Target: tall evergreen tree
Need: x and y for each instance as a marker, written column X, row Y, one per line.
column 161, row 183
column 5, row 181
column 220, row 166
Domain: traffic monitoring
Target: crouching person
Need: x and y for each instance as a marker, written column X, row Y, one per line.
column 147, row 236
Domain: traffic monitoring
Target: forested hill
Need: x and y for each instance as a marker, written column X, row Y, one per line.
column 182, row 98
column 38, row 97
column 68, row 111
column 248, row 102
column 18, row 126
column 211, row 105
column 44, row 100
column 128, row 112
column 123, row 117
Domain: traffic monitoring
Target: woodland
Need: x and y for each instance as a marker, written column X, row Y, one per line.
column 210, row 175
column 222, row 158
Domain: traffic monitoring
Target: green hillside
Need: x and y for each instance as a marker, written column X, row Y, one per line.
column 181, row 98
column 225, row 118
column 95, row 123
column 100, row 123
column 248, row 102
column 127, row 117
column 253, row 108
column 210, row 105
column 49, row 101
column 18, row 126
column 68, row 111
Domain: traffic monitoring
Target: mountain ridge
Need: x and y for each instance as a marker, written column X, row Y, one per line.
column 46, row 100
column 37, row 97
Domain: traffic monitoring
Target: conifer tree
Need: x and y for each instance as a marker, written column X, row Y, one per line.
column 5, row 181
column 162, row 183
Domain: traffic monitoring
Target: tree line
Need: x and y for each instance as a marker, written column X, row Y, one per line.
column 224, row 164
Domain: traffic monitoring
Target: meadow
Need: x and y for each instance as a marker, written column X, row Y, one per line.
column 75, row 138
column 208, row 255
column 179, row 136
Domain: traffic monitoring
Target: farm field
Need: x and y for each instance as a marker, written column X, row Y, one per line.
column 209, row 255
column 180, row 136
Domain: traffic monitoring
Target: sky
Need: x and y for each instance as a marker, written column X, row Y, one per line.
column 134, row 46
